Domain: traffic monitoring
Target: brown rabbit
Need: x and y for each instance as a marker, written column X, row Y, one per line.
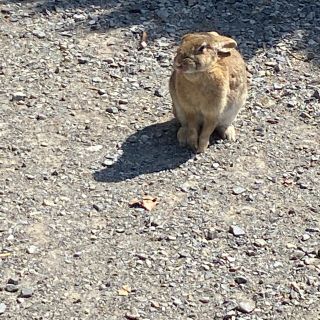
column 208, row 88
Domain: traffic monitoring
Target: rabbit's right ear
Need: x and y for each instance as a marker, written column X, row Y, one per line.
column 213, row 33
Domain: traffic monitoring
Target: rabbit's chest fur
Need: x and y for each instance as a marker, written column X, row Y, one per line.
column 201, row 93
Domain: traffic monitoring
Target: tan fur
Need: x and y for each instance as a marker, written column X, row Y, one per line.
column 208, row 87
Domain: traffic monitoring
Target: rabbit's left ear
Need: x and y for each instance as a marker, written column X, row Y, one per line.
column 225, row 45
column 221, row 43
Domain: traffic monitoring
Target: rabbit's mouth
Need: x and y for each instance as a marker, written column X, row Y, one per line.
column 186, row 66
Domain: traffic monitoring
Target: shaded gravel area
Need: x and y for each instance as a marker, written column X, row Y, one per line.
column 86, row 126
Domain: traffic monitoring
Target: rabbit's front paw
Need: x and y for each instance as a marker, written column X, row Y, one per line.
column 182, row 136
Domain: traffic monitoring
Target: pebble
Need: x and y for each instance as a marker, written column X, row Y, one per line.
column 98, row 206
column 260, row 243
column 123, row 101
column 297, row 255
column 246, row 306
column 238, row 190
column 241, row 280
column 237, row 231
column 26, row 292
column 83, row 60
column 305, row 237
column 312, row 261
column 11, row 288
column 204, row 299
column 133, row 314
column 215, row 165
column 79, row 17
column 3, row 308
column 316, row 94
column 160, row 92
column 32, row 249
column 102, row 92
column 48, row 203
column 96, row 79
column 39, row 34
column 13, row 281
column 77, row 254
column 211, row 234
column 277, row 86
column 95, row 148
column 18, row 96
column 41, row 116
column 108, row 162
column 155, row 304
column 112, row 110
column 177, row 302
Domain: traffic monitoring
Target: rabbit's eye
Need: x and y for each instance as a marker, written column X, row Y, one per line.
column 202, row 48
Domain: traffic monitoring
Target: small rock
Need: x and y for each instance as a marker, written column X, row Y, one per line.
column 260, row 243
column 316, row 94
column 277, row 264
column 6, row 10
column 48, row 203
column 305, row 237
column 102, row 92
column 204, row 299
column 95, row 148
column 3, row 308
column 238, row 190
column 123, row 101
column 96, row 79
column 312, row 261
column 211, row 234
column 39, row 34
column 241, row 280
column 26, row 292
column 246, row 306
column 98, row 207
column 123, row 108
column 32, row 249
column 79, row 17
column 215, row 165
column 155, row 304
column 108, row 162
column 142, row 256
column 11, row 288
column 13, row 281
column 109, row 60
column 297, row 255
column 291, row 103
column 112, row 110
column 177, row 302
column 83, row 60
column 183, row 254
column 237, row 231
column 18, row 96
column 160, row 92
column 277, row 86
column 41, row 116
column 133, row 314
column 77, row 254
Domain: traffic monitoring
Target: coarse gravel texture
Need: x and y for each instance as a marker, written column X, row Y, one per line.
column 86, row 126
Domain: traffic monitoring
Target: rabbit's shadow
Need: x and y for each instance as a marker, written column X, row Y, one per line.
column 152, row 149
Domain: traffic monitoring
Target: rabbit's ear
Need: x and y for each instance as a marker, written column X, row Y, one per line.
column 213, row 33
column 223, row 44
column 186, row 36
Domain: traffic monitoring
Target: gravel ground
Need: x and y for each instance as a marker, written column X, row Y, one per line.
column 86, row 126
